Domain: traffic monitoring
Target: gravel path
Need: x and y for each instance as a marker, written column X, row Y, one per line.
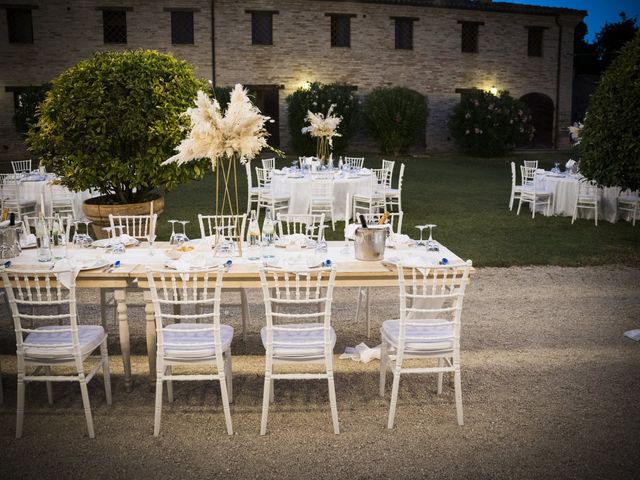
column 551, row 389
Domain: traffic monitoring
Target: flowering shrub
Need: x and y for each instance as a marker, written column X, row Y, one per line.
column 318, row 98
column 397, row 117
column 487, row 125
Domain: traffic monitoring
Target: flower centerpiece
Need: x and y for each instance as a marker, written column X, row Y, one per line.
column 575, row 132
column 324, row 128
column 225, row 138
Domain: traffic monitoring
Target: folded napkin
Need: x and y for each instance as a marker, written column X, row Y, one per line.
column 194, row 259
column 28, row 241
column 350, row 230
column 364, row 170
column 65, row 272
column 396, row 239
column 569, row 165
column 633, row 334
column 127, row 239
column 294, row 240
column 361, row 353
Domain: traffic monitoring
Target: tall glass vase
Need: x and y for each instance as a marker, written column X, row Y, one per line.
column 322, row 149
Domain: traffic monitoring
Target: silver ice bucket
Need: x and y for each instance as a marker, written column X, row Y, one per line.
column 369, row 243
column 9, row 242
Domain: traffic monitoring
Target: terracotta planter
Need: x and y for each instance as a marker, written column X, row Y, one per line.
column 99, row 213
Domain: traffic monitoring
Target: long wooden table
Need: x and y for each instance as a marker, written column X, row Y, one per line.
column 132, row 276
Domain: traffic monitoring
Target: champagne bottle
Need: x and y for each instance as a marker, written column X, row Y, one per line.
column 254, row 230
column 43, row 240
column 383, row 218
column 268, row 230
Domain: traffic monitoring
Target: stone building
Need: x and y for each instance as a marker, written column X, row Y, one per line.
column 440, row 48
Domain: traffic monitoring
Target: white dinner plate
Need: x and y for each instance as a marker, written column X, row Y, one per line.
column 27, row 246
column 209, row 264
column 293, row 263
column 106, row 243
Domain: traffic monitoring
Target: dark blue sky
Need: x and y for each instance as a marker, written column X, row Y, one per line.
column 600, row 11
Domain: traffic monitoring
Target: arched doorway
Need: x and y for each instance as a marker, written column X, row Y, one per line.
column 541, row 108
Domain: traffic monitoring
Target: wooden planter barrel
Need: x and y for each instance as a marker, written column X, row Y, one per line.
column 99, row 213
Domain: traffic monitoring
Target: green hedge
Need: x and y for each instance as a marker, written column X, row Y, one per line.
column 318, row 98
column 487, row 125
column 610, row 139
column 397, row 117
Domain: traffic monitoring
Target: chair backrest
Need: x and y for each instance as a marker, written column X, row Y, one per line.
column 528, row 175
column 531, row 163
column 226, row 226
column 394, row 220
column 311, row 225
column 21, row 166
column 381, row 174
column 321, row 187
column 298, row 297
column 136, row 226
column 400, row 177
column 11, row 193
column 354, row 162
column 375, row 188
column 269, row 163
column 588, row 190
column 389, row 165
column 65, row 221
column 38, row 299
column 247, row 168
column 432, row 297
column 187, row 297
column 264, row 177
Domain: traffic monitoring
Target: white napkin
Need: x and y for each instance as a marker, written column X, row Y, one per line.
column 361, row 353
column 350, row 230
column 127, row 239
column 397, row 239
column 633, row 334
column 570, row 163
column 65, row 272
column 28, row 240
column 364, row 170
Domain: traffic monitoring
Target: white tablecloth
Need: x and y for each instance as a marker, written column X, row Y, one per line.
column 565, row 192
column 35, row 190
column 299, row 190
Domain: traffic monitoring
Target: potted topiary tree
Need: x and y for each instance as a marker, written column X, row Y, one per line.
column 108, row 123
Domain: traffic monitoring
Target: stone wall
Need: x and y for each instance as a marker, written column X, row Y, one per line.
column 68, row 31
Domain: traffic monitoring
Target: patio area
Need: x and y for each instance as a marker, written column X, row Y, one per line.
column 549, row 390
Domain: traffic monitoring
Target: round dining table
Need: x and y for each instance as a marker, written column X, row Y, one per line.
column 297, row 185
column 34, row 187
column 565, row 186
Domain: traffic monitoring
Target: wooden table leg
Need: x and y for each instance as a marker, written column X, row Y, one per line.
column 120, row 297
column 151, row 334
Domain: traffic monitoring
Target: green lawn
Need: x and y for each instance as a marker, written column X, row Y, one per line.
column 467, row 198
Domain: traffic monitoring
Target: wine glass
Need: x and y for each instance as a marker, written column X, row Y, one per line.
column 432, row 245
column 421, row 241
column 172, row 238
column 185, row 239
column 150, row 239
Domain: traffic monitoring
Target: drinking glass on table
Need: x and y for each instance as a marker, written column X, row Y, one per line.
column 421, row 241
column 432, row 245
column 150, row 239
column 172, row 238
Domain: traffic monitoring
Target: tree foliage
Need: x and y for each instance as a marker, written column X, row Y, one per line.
column 26, row 113
column 610, row 139
column 489, row 125
column 612, row 37
column 397, row 117
column 317, row 99
column 109, row 122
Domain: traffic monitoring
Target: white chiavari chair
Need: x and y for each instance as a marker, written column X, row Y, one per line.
column 393, row 196
column 231, row 227
column 65, row 222
column 62, row 200
column 322, row 196
column 311, row 225
column 269, row 163
column 588, row 198
column 266, row 198
column 515, row 188
column 531, row 164
column 194, row 336
column 428, row 328
column 11, row 198
column 136, row 226
column 21, row 166
column 389, row 165
column 354, row 162
column 40, row 299
column 373, row 200
column 629, row 202
column 532, row 194
column 298, row 330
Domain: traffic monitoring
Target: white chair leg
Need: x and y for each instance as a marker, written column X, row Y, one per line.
column 334, row 407
column 20, row 407
column 103, row 308
column 519, row 206
column 458, row 395
column 265, row 405
column 533, row 208
column 575, row 214
column 511, row 200
column 440, row 375
column 105, row 371
column 158, row 409
column 394, row 397
column 596, row 214
column 368, row 312
column 87, row 406
column 225, row 404
column 244, row 310
column 47, row 371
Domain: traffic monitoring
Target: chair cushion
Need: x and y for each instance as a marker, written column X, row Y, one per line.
column 189, row 344
column 38, row 343
column 297, row 342
column 420, row 338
